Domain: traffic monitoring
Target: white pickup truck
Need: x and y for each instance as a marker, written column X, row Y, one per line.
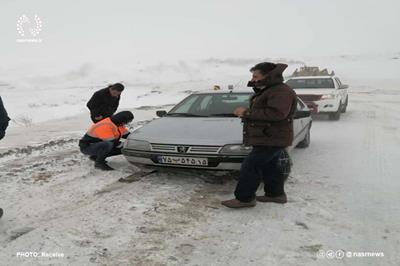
column 322, row 94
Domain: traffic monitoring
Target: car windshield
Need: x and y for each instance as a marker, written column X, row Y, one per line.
column 320, row 83
column 210, row 105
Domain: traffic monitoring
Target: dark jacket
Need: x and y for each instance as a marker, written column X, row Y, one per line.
column 3, row 113
column 3, row 119
column 269, row 121
column 102, row 103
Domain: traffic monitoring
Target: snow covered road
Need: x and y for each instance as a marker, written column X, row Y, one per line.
column 343, row 196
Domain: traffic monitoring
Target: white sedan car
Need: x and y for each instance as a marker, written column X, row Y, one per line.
column 322, row 94
column 202, row 132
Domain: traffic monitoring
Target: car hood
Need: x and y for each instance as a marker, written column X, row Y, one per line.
column 216, row 131
column 314, row 91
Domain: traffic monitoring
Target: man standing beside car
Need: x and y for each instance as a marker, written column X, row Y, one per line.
column 104, row 103
column 3, row 119
column 268, row 128
column 3, row 126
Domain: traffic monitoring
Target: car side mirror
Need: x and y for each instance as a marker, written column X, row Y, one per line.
column 344, row 86
column 161, row 113
column 302, row 114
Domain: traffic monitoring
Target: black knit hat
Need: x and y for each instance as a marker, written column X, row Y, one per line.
column 123, row 117
column 264, row 67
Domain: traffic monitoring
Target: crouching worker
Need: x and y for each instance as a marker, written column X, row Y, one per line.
column 102, row 140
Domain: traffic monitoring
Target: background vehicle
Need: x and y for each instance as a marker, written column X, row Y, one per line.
column 202, row 132
column 322, row 94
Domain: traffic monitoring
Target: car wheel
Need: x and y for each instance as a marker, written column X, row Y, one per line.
column 336, row 115
column 306, row 141
column 344, row 108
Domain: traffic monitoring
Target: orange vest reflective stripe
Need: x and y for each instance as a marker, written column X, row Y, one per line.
column 107, row 130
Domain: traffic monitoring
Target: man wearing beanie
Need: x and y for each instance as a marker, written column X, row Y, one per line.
column 268, row 128
column 104, row 103
column 102, row 140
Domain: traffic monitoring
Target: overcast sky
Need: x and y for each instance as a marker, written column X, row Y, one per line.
column 167, row 30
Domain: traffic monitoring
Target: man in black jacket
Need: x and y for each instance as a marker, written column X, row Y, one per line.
column 3, row 126
column 3, row 120
column 104, row 103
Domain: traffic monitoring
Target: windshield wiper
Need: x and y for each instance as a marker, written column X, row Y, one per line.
column 185, row 115
column 224, row 115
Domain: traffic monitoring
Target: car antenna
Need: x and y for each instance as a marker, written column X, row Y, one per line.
column 231, row 87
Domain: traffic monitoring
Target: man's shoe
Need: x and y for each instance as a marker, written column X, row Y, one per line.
column 234, row 203
column 1, row 212
column 103, row 166
column 279, row 199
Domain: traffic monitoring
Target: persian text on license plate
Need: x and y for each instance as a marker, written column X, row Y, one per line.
column 183, row 160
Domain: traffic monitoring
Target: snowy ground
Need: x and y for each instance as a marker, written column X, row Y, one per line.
column 343, row 195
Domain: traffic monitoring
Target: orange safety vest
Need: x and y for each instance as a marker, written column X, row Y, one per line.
column 107, row 130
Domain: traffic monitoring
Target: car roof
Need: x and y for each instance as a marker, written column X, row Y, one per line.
column 241, row 90
column 311, row 77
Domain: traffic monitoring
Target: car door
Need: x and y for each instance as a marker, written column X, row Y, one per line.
column 300, row 124
column 297, row 125
column 341, row 92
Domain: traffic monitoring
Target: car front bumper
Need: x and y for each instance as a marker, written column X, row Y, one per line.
column 323, row 106
column 215, row 162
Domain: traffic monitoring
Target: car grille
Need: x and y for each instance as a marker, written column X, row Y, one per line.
column 185, row 149
column 164, row 148
column 310, row 97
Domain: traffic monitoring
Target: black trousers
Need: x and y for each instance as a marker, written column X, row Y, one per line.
column 101, row 150
column 261, row 163
column 94, row 119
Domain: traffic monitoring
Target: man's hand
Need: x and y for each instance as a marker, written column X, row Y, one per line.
column 240, row 111
column 98, row 118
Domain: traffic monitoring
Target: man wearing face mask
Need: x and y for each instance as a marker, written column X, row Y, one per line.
column 104, row 103
column 268, row 128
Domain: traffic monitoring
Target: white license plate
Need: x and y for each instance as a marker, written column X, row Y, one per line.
column 183, row 160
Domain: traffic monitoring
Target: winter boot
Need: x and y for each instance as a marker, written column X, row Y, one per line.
column 103, row 166
column 234, row 203
column 279, row 199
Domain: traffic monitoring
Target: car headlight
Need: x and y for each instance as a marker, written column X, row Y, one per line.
column 328, row 96
column 140, row 145
column 236, row 149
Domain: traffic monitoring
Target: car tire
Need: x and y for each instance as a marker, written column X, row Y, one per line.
column 306, row 141
column 336, row 115
column 344, row 108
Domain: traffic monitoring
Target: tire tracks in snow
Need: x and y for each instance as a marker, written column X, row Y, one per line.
column 51, row 187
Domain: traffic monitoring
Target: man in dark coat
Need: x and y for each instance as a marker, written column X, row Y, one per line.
column 3, row 126
column 104, row 103
column 268, row 127
column 3, row 119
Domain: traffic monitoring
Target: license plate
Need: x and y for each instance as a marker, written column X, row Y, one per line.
column 183, row 160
